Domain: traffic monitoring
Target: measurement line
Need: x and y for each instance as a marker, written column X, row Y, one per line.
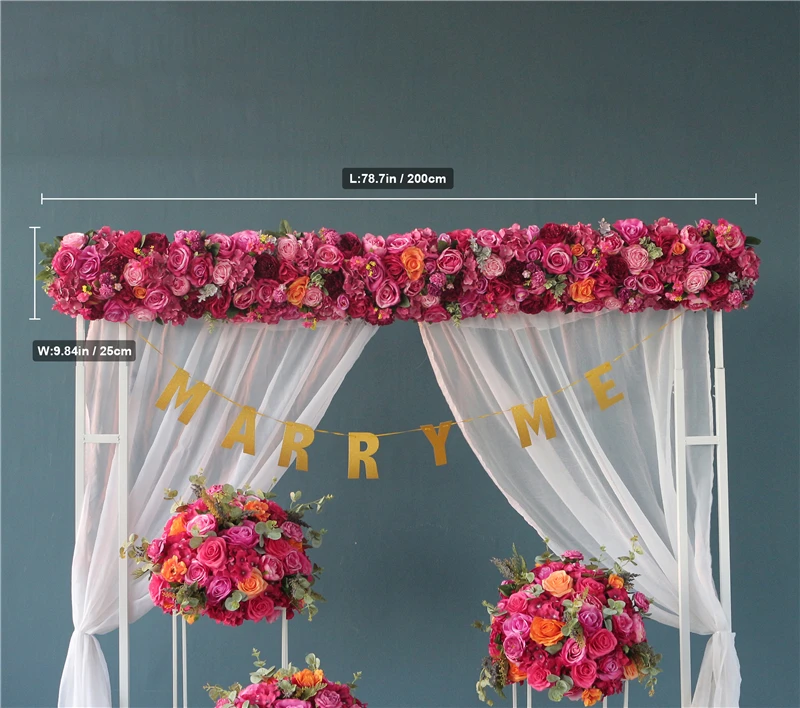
column 35, row 263
column 753, row 199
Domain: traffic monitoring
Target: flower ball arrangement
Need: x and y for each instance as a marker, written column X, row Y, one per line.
column 287, row 688
column 232, row 555
column 571, row 628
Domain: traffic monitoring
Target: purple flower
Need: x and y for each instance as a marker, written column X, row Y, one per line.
column 517, row 624
column 219, row 588
column 514, row 647
column 292, row 530
column 572, row 555
column 591, row 618
column 242, row 535
column 328, row 699
column 196, row 573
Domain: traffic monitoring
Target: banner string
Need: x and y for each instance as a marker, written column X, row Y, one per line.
column 412, row 430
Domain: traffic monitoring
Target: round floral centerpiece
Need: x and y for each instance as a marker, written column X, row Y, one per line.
column 287, row 688
column 571, row 628
column 232, row 555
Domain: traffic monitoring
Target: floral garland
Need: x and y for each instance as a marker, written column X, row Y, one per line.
column 232, row 555
column 287, row 688
column 575, row 630
column 266, row 276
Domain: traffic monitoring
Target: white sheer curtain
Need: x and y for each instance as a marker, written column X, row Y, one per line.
column 608, row 474
column 284, row 370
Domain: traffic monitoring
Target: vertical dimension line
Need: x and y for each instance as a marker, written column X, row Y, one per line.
column 35, row 263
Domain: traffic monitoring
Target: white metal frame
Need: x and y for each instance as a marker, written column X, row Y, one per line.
column 683, row 440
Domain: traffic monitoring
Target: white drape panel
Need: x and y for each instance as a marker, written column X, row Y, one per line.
column 607, row 475
column 285, row 370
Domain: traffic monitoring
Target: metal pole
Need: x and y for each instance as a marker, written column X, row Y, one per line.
column 185, row 667
column 528, row 694
column 682, row 516
column 80, row 424
column 723, row 510
column 122, row 512
column 174, row 660
column 514, row 695
column 284, row 639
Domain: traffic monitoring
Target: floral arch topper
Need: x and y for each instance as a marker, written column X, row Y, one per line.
column 265, row 276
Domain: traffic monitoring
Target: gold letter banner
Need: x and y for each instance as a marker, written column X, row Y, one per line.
column 298, row 437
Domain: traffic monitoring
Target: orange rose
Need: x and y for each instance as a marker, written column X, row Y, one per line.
column 630, row 671
column 173, row 570
column 253, row 585
column 298, row 545
column 577, row 249
column 307, row 678
column 413, row 260
column 139, row 292
column 558, row 583
column 678, row 248
column 190, row 619
column 297, row 290
column 582, row 290
column 516, row 674
column 260, row 507
column 546, row 631
column 178, row 526
column 615, row 581
column 591, row 696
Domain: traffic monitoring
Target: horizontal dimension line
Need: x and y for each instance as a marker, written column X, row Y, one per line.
column 753, row 199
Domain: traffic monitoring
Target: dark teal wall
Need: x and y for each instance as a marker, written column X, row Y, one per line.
column 226, row 99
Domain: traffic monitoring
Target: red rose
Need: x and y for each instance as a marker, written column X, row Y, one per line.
column 127, row 242
column 358, row 307
column 554, row 233
column 266, row 267
column 531, row 305
column 617, row 269
column 193, row 307
column 200, row 268
column 513, row 274
column 115, row 264
column 602, row 642
column 279, row 547
column 584, row 673
column 158, row 242
column 436, row 313
column 287, row 272
column 350, row 245
column 218, row 306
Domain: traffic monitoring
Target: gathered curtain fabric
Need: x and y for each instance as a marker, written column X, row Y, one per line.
column 608, row 474
column 284, row 371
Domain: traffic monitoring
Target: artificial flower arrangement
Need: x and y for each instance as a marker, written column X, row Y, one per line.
column 269, row 276
column 571, row 628
column 232, row 555
column 287, row 688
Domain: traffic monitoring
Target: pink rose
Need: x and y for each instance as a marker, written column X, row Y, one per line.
column 493, row 266
column 245, row 297
column 690, row 236
column 199, row 271
column 278, row 547
column 158, row 592
column 226, row 244
column 292, row 703
column 293, row 562
column 435, row 313
column 143, row 314
column 387, row 294
column 641, row 601
column 219, row 588
column 609, row 668
column 591, row 618
column 729, row 238
column 246, row 241
column 157, row 298
column 584, row 266
column 537, row 677
column 636, row 258
column 287, row 248
column 397, row 243
column 292, row 531
column 649, row 284
column 74, row 240
column 696, row 279
column 572, row 653
column 178, row 257
column 260, row 695
column 602, row 642
column 133, row 273
column 557, row 259
column 204, row 523
column 517, row 603
column 179, row 285
column 375, row 245
column 242, row 535
column 155, row 551
column 514, row 647
column 89, row 263
column 259, row 607
column 272, row 568
column 328, row 699
column 631, row 230
column 517, row 624
column 584, row 673
column 196, row 573
column 748, row 261
column 65, row 260
column 115, row 311
column 488, row 239
column 623, row 626
column 450, row 261
column 611, row 244
column 213, row 553
column 222, row 272
column 328, row 257
column 639, row 634
column 703, row 254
